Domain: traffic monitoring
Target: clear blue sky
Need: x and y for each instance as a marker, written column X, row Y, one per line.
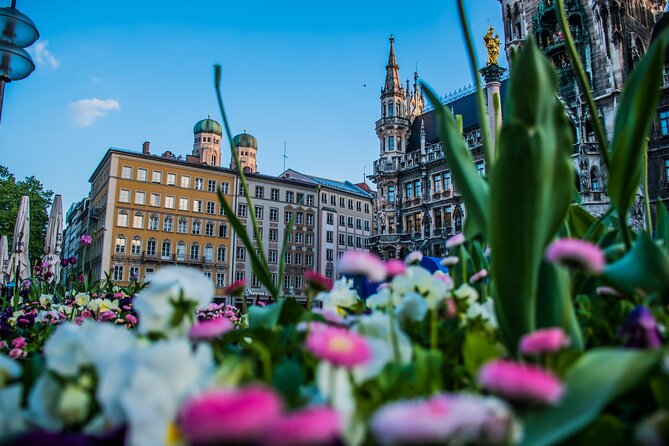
column 117, row 73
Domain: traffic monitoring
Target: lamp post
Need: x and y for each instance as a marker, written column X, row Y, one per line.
column 17, row 32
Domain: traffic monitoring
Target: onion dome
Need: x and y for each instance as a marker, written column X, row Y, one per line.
column 245, row 140
column 208, row 126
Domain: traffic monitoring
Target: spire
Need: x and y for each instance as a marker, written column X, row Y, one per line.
column 393, row 84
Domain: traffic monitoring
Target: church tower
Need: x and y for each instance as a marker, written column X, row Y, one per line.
column 207, row 142
column 247, row 149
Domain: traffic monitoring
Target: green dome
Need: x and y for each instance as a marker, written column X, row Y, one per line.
column 245, row 140
column 208, row 126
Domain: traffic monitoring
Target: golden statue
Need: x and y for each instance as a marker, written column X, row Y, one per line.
column 492, row 45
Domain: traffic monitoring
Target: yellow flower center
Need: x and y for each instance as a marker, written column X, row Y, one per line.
column 173, row 434
column 340, row 344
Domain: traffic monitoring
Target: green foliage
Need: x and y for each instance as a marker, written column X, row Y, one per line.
column 598, row 377
column 583, row 225
column 11, row 192
column 477, row 350
column 662, row 225
column 533, row 168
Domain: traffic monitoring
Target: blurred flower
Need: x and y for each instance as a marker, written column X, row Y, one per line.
column 86, row 240
column 131, row 319
column 362, row 264
column 72, row 260
column 64, row 262
column 607, row 291
column 235, row 288
column 19, row 342
column 229, row 416
column 480, row 275
column 445, row 419
column 639, row 329
column 74, row 404
column 575, row 252
column 522, row 382
column 45, row 300
column 413, row 258
column 338, row 345
column 317, row 282
column 450, row 261
column 395, row 267
column 210, row 329
column 455, row 240
column 8, row 370
column 310, row 426
column 82, row 299
column 340, row 298
column 420, row 280
column 16, row 353
column 545, row 340
column 654, row 430
column 81, row 277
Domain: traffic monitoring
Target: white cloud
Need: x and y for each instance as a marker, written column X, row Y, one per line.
column 86, row 111
column 44, row 56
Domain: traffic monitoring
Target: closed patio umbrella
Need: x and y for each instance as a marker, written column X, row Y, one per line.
column 18, row 260
column 4, row 260
column 53, row 243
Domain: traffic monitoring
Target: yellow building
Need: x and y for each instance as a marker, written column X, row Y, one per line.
column 149, row 211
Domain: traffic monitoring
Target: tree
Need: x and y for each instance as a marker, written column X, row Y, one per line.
column 11, row 192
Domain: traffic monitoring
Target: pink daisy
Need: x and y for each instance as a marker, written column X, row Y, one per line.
column 456, row 240
column 545, row 340
column 317, row 282
column 210, row 329
column 310, row 426
column 570, row 252
column 362, row 264
column 338, row 345
column 235, row 288
column 522, row 382
column 413, row 258
column 480, row 275
column 229, row 416
column 395, row 268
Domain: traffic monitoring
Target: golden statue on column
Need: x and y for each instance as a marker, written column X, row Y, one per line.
column 492, row 45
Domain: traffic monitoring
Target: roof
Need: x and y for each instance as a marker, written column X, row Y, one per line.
column 464, row 106
column 245, row 140
column 345, row 186
column 208, row 126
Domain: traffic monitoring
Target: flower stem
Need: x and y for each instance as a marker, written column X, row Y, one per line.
column 463, row 264
column 434, row 332
column 393, row 334
column 646, row 198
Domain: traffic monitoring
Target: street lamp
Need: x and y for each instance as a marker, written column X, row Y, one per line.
column 17, row 32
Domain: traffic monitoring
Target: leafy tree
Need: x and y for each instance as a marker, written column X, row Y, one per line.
column 11, row 192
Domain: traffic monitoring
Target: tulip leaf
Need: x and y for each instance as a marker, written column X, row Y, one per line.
column 596, row 379
column 635, row 114
column 645, row 268
column 265, row 317
column 478, row 349
column 469, row 182
column 533, row 168
column 583, row 225
column 662, row 224
column 288, row 379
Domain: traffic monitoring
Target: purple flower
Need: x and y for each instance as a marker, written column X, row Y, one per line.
column 575, row 252
column 639, row 329
column 65, row 262
column 86, row 240
column 72, row 260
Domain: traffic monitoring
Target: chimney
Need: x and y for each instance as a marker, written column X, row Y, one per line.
column 145, row 148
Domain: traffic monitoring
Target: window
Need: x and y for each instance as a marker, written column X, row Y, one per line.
column 209, row 229
column 211, row 186
column 140, row 197
column 666, row 170
column 409, row 191
column 194, row 251
column 168, row 224
column 300, row 198
column 151, row 247
column 447, row 181
column 259, row 212
column 324, row 197
column 288, row 257
column 436, row 183
column 330, row 218
column 171, row 179
column 136, row 246
column 309, row 259
column 273, row 214
column 182, row 226
column 118, row 273
column 255, row 283
column 366, row 208
column 329, row 237
column 222, row 230
column 289, row 197
column 416, row 188
column 211, row 207
column 594, row 180
column 298, row 237
column 358, row 206
column 225, row 188
column 329, row 255
column 271, row 256
column 156, row 176
column 274, row 195
column 664, row 123
column 155, row 200
column 366, row 225
column 209, row 253
column 298, row 258
column 240, row 253
column 350, row 204
column 122, row 219
column 207, row 274
column 310, row 200
column 141, row 174
column 239, row 275
column 342, row 202
column 220, row 254
column 124, row 196
column 197, row 205
column 286, row 281
column 241, row 211
column 310, row 239
column 350, row 222
column 181, row 251
column 119, row 247
column 169, row 202
column 299, row 218
column 391, row 143
column 350, row 240
column 342, row 220
column 288, row 216
column 480, row 168
column 358, row 223
column 342, row 239
column 333, row 200
column 260, row 192
column 148, row 273
column 185, row 181
column 183, row 204
column 391, row 194
column 133, row 273
column 273, row 235
column 153, row 222
column 358, row 242
column 220, row 280
column 138, row 220
column 310, row 219
column 199, row 183
column 126, row 172
column 197, row 227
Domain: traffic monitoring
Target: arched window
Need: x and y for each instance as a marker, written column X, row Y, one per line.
column 120, row 244
column 197, row 227
column 181, row 251
column 594, row 179
column 168, row 224
column 220, row 254
column 213, row 159
column 151, row 247
column 391, row 109
column 166, row 249
column 136, row 246
column 399, row 143
column 209, row 253
column 194, row 251
column 209, row 229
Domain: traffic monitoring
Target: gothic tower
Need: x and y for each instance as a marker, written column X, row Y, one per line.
column 207, row 142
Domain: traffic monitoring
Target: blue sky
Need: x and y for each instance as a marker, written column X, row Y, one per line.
column 117, row 73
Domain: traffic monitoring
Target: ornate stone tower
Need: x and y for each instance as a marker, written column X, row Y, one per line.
column 247, row 149
column 207, row 142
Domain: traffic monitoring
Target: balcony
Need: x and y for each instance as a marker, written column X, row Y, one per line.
column 392, row 121
column 383, row 166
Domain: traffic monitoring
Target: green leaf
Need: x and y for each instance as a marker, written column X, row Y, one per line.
column 478, row 349
column 282, row 254
column 597, row 379
column 265, row 317
column 471, row 185
column 533, row 168
column 583, row 225
column 606, row 429
column 662, row 224
column 645, row 268
column 635, row 114
column 288, row 379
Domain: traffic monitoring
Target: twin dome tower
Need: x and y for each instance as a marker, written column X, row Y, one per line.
column 207, row 146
